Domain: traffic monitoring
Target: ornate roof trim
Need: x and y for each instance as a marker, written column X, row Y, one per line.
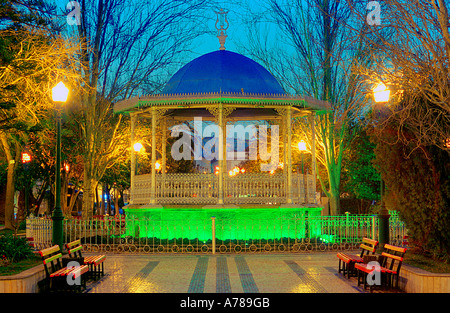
column 180, row 100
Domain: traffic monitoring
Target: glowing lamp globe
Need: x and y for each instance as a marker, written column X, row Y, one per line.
column 60, row 93
column 26, row 157
column 381, row 93
column 302, row 146
column 137, row 146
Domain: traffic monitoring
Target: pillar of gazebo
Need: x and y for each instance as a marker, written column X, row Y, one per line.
column 221, row 153
column 289, row 155
column 133, row 154
column 153, row 185
column 163, row 146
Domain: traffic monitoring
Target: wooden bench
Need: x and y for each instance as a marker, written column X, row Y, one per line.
column 59, row 277
column 348, row 261
column 95, row 262
column 389, row 262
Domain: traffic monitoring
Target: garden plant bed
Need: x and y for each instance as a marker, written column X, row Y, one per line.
column 19, row 267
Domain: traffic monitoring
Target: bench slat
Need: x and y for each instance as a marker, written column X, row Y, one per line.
column 370, row 241
column 50, row 250
column 74, row 243
column 78, row 271
column 395, row 257
column 368, row 248
column 75, row 249
column 56, row 256
column 369, row 268
column 395, row 248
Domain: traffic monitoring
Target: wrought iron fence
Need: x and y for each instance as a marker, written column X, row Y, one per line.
column 145, row 235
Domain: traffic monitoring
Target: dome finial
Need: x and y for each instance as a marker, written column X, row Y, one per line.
column 221, row 32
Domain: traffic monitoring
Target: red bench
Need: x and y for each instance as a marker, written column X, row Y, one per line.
column 388, row 269
column 95, row 262
column 59, row 277
column 347, row 261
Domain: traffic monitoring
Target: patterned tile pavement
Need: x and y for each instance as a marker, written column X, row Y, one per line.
column 224, row 273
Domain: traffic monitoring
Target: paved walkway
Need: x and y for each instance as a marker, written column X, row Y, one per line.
column 224, row 273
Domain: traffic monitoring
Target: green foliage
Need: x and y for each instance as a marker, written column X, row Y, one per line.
column 14, row 249
column 360, row 179
column 418, row 186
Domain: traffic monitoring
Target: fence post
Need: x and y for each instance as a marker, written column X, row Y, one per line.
column 373, row 226
column 347, row 227
column 213, row 218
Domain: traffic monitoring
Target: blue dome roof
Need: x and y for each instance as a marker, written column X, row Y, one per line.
column 222, row 71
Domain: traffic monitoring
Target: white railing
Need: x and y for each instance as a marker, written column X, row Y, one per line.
column 248, row 188
column 41, row 231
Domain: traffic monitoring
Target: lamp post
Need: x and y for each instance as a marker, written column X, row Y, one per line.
column 59, row 95
column 26, row 158
column 381, row 94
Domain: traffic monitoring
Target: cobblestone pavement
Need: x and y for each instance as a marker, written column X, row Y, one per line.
column 224, row 273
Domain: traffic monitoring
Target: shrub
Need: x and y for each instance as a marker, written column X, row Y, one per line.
column 14, row 249
column 417, row 183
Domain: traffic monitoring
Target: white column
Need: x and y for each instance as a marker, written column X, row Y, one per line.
column 163, row 154
column 153, row 187
column 221, row 154
column 289, row 154
column 163, row 145
column 133, row 154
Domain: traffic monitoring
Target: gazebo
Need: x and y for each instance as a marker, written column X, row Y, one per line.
column 225, row 88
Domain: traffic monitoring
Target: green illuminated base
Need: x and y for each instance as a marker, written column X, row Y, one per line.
column 231, row 223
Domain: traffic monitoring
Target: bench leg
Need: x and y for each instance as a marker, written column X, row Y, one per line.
column 359, row 275
column 344, row 268
column 350, row 268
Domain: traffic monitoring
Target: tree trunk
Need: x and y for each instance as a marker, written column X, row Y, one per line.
column 9, row 200
column 108, row 199
column 335, row 204
column 88, row 198
column 10, row 182
column 116, row 202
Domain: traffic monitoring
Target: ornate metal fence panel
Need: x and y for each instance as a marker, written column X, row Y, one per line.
column 301, row 233
column 41, row 231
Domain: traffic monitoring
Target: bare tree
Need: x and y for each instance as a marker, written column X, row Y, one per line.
column 411, row 53
column 317, row 47
column 25, row 89
column 130, row 46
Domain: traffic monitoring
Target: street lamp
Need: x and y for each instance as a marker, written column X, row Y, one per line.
column 302, row 148
column 157, row 166
column 60, row 94
column 26, row 158
column 381, row 94
column 137, row 146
